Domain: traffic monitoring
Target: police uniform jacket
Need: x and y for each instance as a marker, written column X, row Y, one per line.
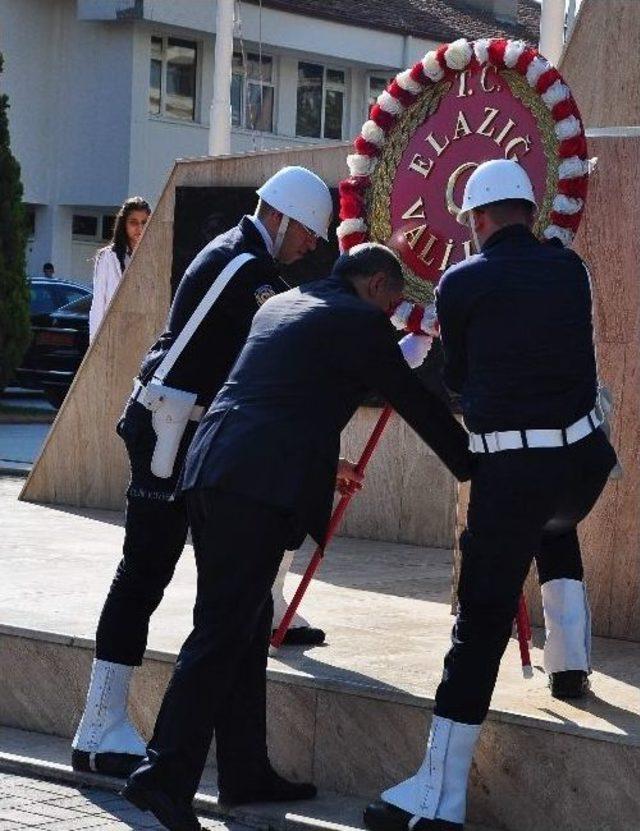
column 517, row 334
column 206, row 360
column 273, row 432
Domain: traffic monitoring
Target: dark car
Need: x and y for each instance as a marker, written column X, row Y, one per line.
column 57, row 348
column 49, row 295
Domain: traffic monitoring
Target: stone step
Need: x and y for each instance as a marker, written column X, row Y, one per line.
column 355, row 739
column 351, row 715
column 26, row 753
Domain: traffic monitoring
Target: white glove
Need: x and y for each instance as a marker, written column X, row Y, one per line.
column 415, row 348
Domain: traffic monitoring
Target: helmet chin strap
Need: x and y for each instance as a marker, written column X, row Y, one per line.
column 282, row 230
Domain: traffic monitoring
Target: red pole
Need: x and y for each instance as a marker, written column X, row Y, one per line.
column 523, row 629
column 334, row 523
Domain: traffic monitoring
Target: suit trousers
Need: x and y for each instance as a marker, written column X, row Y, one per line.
column 522, row 503
column 219, row 681
column 156, row 527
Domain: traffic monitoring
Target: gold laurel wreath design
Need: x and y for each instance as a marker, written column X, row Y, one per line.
column 546, row 125
column 378, row 201
column 378, row 197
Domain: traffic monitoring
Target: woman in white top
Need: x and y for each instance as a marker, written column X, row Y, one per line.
column 110, row 262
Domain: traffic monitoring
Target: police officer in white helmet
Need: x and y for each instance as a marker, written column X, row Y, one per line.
column 517, row 337
column 207, row 325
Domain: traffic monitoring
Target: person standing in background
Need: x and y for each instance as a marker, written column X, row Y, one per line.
column 112, row 260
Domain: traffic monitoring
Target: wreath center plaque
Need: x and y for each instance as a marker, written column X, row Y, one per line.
column 436, row 122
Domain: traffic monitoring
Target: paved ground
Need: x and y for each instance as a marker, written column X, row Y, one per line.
column 20, row 397
column 385, row 608
column 21, row 442
column 48, row 806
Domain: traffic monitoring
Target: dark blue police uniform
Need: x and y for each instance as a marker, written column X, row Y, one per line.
column 517, row 336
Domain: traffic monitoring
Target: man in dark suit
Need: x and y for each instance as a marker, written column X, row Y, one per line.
column 260, row 475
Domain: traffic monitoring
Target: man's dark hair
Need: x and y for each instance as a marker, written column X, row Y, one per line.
column 366, row 259
column 510, row 211
column 48, row 265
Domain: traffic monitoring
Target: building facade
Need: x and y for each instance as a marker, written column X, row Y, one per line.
column 106, row 94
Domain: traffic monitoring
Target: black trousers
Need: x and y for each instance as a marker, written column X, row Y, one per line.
column 219, row 682
column 155, row 532
column 523, row 503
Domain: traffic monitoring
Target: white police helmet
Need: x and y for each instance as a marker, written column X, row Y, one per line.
column 301, row 195
column 492, row 182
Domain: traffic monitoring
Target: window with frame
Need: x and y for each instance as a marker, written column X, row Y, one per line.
column 92, row 227
column 377, row 85
column 172, row 78
column 30, row 221
column 320, row 101
column 252, row 92
column 108, row 221
column 84, row 226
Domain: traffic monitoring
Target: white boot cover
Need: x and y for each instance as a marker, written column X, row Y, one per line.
column 567, row 620
column 439, row 788
column 105, row 725
column 277, row 592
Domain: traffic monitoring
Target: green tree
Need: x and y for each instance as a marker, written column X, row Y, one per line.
column 15, row 329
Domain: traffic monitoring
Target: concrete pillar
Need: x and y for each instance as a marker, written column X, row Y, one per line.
column 52, row 240
column 220, row 111
column 552, row 29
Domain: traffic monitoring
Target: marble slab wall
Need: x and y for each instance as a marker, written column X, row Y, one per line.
column 527, row 775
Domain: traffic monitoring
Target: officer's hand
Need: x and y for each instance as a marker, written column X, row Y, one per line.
column 348, row 480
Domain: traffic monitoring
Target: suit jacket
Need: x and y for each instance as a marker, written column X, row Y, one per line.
column 207, row 359
column 273, row 431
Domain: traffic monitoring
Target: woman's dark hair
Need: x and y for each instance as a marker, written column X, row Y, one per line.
column 119, row 242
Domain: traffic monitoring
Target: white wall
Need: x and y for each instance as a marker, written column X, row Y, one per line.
column 31, row 87
column 69, row 85
column 96, row 63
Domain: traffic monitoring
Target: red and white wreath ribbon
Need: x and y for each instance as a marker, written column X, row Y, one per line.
column 443, row 63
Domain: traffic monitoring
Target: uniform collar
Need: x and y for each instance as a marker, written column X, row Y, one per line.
column 263, row 233
column 515, row 233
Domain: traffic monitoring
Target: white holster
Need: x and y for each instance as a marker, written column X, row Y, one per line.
column 171, row 410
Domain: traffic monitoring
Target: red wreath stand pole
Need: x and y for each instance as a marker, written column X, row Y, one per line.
column 522, row 618
column 334, row 523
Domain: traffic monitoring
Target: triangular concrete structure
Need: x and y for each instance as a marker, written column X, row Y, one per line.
column 83, row 462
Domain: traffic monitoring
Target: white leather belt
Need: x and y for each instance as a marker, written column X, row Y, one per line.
column 139, row 394
column 520, row 439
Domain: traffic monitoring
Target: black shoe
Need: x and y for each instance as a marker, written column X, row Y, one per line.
column 110, row 764
column 382, row 816
column 271, row 788
column 303, row 636
column 572, row 683
column 173, row 815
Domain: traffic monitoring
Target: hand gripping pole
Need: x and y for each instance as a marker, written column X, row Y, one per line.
column 334, row 523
